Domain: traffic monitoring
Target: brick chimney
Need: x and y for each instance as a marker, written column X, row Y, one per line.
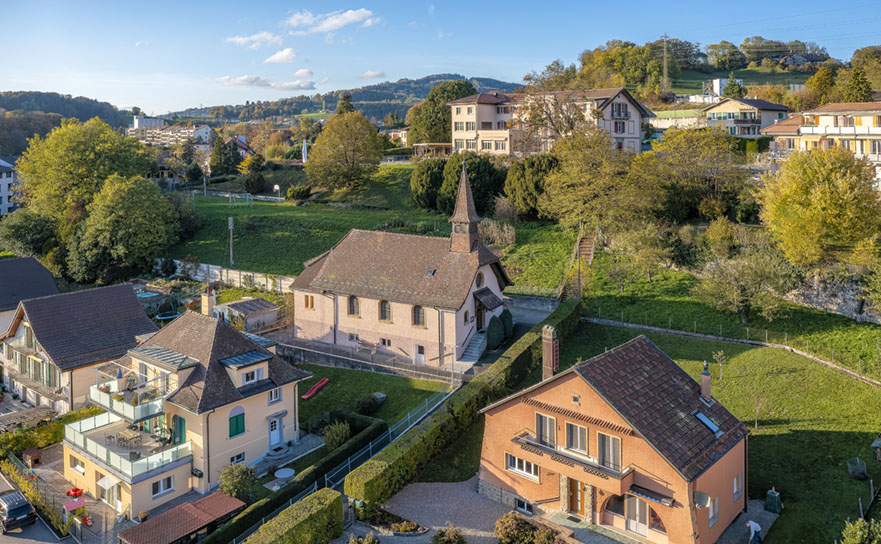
column 550, row 352
column 706, row 393
column 208, row 300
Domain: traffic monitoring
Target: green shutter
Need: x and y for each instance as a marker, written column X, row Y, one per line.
column 236, row 425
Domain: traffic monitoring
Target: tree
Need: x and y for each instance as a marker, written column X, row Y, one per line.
column 721, row 238
column 346, row 152
column 28, row 234
column 591, row 185
column 757, row 48
column 853, row 86
column 820, row 200
column 525, row 181
column 336, row 434
column 392, row 120
column 425, row 182
column 345, row 104
column 647, row 247
column 252, row 165
column 129, row 225
column 822, row 83
column 487, row 180
column 218, row 153
column 726, row 56
column 194, row 172
column 186, row 151
column 433, row 122
column 63, row 172
column 254, row 183
column 721, row 359
column 412, row 114
column 732, row 88
column 861, row 531
column 752, row 281
column 238, row 481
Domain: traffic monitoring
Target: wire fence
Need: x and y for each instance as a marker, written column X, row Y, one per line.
column 864, row 501
column 296, row 498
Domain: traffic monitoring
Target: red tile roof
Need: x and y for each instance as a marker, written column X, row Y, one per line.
column 182, row 520
column 784, row 128
column 843, row 107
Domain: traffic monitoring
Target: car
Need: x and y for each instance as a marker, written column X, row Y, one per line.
column 15, row 511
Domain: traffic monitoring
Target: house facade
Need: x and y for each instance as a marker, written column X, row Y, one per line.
column 425, row 299
column 492, row 122
column 744, row 117
column 196, row 396
column 161, row 135
column 53, row 343
column 625, row 440
column 8, row 181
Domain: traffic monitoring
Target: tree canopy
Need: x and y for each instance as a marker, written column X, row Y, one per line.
column 27, row 234
column 346, row 153
column 345, row 104
column 487, row 180
column 525, row 181
column 732, row 88
column 425, row 182
column 433, row 121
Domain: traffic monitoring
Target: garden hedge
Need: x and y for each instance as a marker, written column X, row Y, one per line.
column 368, row 429
column 44, row 434
column 317, row 519
column 399, row 463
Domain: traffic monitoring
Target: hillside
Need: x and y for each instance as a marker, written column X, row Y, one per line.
column 374, row 101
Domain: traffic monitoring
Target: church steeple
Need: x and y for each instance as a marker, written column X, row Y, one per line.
column 464, row 219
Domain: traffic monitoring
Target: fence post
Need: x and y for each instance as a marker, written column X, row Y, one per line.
column 747, row 333
column 695, row 325
column 861, row 507
column 785, row 338
column 766, row 336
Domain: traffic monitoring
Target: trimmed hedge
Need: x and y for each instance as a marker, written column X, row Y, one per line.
column 367, row 429
column 400, row 462
column 317, row 519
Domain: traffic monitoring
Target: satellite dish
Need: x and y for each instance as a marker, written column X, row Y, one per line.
column 701, row 500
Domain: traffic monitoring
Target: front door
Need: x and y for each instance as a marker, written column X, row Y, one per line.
column 274, row 433
column 576, row 497
column 636, row 512
column 419, row 357
column 480, row 312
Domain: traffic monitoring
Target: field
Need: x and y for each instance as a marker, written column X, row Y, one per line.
column 284, row 178
column 668, row 302
column 388, row 188
column 690, row 80
column 538, row 260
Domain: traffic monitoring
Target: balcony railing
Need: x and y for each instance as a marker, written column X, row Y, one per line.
column 528, row 443
column 827, row 130
column 75, row 433
column 747, row 121
column 134, row 406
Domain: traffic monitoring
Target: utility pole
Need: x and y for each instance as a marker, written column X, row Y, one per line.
column 231, row 263
column 666, row 82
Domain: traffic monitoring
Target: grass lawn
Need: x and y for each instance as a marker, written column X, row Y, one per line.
column 284, row 178
column 388, row 188
column 404, row 394
column 537, row 261
column 690, row 80
column 667, row 302
column 459, row 461
column 232, row 294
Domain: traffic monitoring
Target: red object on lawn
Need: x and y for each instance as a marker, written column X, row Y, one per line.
column 311, row 393
column 74, row 492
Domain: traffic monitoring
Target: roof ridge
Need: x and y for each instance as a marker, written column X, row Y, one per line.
column 90, row 289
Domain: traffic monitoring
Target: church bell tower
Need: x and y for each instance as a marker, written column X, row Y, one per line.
column 464, row 219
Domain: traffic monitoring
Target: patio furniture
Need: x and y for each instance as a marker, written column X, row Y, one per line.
column 284, row 473
column 109, row 438
column 32, row 456
column 134, row 455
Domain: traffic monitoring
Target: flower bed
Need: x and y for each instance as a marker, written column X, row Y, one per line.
column 387, row 523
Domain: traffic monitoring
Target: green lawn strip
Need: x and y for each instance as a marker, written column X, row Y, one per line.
column 690, row 81
column 283, row 177
column 388, row 188
column 6, row 254
column 814, row 420
column 459, row 461
column 668, row 302
column 537, row 262
column 232, row 294
column 345, row 386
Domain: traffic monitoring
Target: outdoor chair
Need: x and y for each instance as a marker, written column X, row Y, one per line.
column 109, row 438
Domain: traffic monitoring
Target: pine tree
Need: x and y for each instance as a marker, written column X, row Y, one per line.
column 857, row 88
column 345, row 104
column 732, row 89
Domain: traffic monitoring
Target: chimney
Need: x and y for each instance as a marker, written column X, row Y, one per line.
column 550, row 352
column 705, row 384
column 208, row 299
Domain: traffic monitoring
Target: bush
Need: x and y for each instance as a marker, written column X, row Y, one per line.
column 32, row 493
column 425, row 182
column 404, row 527
column 712, row 207
column 317, row 519
column 238, row 481
column 44, row 434
column 495, row 333
column 544, row 536
column 254, row 183
column 513, row 529
column 370, row 538
column 366, row 404
column 720, row 238
column 495, row 233
column 168, row 267
column 298, row 192
column 507, row 322
column 449, row 535
column 336, row 434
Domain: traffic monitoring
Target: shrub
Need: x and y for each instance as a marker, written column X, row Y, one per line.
column 317, row 519
column 298, row 192
column 168, row 267
column 369, row 538
column 336, row 434
column 507, row 322
column 720, row 238
column 449, row 535
column 238, row 481
column 366, row 404
column 254, row 182
column 404, row 527
column 711, row 207
column 495, row 233
column 425, row 181
column 495, row 333
column 33, row 495
column 512, row 529
column 544, row 536
column 505, row 209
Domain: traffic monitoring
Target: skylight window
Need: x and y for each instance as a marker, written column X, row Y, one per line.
column 431, row 272
column 708, row 422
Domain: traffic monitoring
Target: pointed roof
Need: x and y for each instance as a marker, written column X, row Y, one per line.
column 465, row 211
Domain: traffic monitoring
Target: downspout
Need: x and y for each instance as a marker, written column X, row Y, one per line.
column 440, row 336
column 208, row 443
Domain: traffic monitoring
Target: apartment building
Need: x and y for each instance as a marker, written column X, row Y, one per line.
column 8, row 181
column 853, row 126
column 169, row 135
column 194, row 397
column 492, row 123
column 744, row 117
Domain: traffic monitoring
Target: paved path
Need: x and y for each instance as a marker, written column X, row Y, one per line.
column 37, row 533
column 737, row 533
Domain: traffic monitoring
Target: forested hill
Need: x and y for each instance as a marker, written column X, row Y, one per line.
column 25, row 113
column 374, row 101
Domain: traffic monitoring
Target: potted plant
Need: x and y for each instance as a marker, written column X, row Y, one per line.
column 118, row 397
column 105, row 388
column 142, row 515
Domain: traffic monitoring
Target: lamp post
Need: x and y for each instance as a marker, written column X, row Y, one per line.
column 277, row 190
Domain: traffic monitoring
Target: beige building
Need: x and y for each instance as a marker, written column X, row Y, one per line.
column 491, row 122
column 194, row 397
column 425, row 299
column 53, row 343
column 169, row 135
column 744, row 117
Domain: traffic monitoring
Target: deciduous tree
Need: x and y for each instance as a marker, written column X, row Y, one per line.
column 346, row 152
column 252, row 164
column 433, row 122
column 28, row 234
column 647, row 246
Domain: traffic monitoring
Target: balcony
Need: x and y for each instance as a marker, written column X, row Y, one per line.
column 832, row 131
column 127, row 393
column 144, row 452
column 747, row 121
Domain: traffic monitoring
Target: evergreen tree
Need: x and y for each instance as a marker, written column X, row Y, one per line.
column 732, row 89
column 186, row 151
column 857, row 87
column 217, row 156
column 345, row 104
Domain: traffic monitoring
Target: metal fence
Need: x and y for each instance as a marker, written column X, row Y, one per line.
column 864, row 505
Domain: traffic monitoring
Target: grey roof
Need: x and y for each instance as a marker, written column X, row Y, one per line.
column 209, row 340
column 261, row 341
column 7, row 163
column 252, row 306
column 23, row 278
column 164, row 358
column 85, row 327
column 246, row 359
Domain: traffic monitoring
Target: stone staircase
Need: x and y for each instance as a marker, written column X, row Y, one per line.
column 475, row 348
column 585, row 249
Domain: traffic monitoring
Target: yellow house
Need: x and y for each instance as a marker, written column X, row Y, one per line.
column 425, row 299
column 53, row 343
column 744, row 117
column 196, row 396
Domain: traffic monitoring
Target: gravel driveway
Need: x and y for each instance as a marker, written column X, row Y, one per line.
column 435, row 504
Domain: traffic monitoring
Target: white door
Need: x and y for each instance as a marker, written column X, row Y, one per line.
column 274, row 432
column 419, row 357
column 637, row 515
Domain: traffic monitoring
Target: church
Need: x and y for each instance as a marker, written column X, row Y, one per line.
column 424, row 299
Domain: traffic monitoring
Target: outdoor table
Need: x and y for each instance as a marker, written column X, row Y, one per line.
column 127, row 437
column 284, row 473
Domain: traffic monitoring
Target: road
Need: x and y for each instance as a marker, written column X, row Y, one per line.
column 37, row 533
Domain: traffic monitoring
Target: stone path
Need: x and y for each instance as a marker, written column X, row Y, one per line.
column 308, row 443
column 737, row 533
column 589, row 533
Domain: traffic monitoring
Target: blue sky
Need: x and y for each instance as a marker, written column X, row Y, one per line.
column 163, row 55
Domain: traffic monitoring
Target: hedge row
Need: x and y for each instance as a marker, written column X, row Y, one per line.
column 317, row 519
column 44, row 434
column 250, row 516
column 399, row 463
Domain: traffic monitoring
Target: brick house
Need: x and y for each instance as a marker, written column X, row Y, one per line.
column 426, row 299
column 626, row 440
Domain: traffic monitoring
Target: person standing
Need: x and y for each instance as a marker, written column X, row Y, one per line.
column 755, row 532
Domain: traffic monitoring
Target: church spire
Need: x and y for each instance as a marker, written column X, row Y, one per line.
column 464, row 219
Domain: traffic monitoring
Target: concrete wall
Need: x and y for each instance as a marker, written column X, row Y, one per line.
column 298, row 355
column 531, row 302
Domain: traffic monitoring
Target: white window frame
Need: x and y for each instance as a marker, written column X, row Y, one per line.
column 353, row 337
column 470, row 110
column 163, row 488
column 523, row 506
column 385, row 342
column 471, row 145
column 78, row 464
column 569, row 428
column 552, row 425
column 470, row 126
column 601, row 452
column 274, row 395
column 738, row 486
column 486, row 145
column 714, row 511
column 257, row 376
column 458, row 110
column 237, row 459
column 522, row 467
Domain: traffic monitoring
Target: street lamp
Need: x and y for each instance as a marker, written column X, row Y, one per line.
column 277, row 190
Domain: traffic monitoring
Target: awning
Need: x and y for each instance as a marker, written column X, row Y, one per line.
column 283, row 413
column 488, row 298
column 107, row 482
column 640, row 491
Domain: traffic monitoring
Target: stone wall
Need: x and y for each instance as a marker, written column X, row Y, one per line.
column 531, row 302
column 844, row 297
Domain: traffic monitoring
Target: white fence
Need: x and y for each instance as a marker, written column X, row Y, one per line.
column 238, row 278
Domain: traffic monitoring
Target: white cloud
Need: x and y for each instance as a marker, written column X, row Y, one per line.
column 303, row 72
column 442, row 35
column 305, row 22
column 371, row 74
column 431, row 9
column 415, row 24
column 139, row 43
column 256, row 41
column 323, row 80
column 257, row 81
column 285, row 56
column 373, row 21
